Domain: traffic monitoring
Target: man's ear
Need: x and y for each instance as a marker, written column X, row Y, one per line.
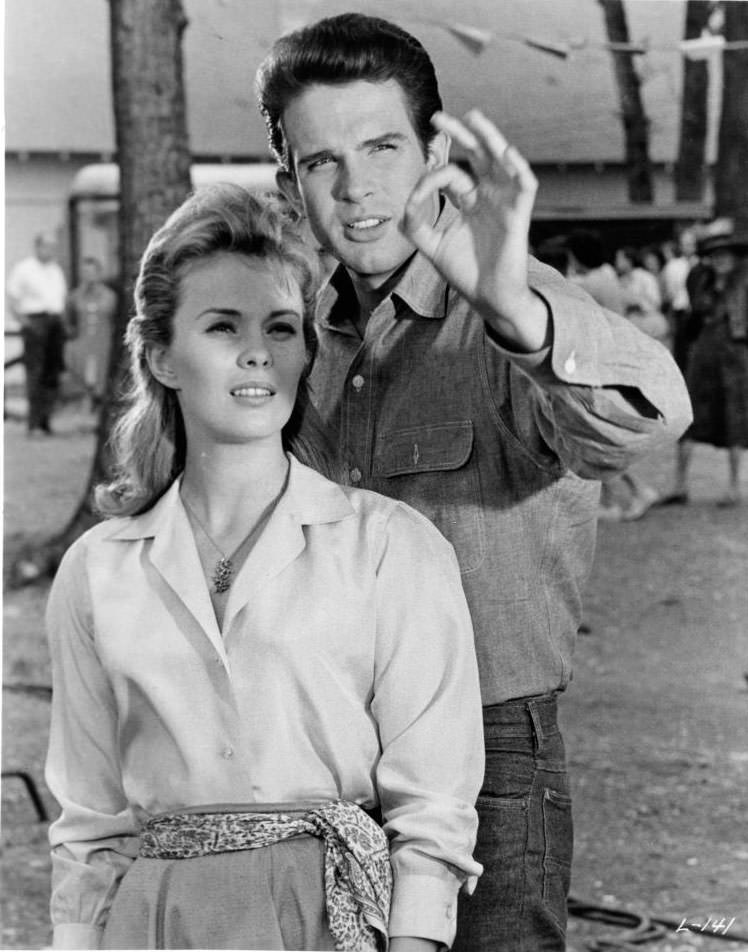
column 438, row 150
column 160, row 366
column 289, row 190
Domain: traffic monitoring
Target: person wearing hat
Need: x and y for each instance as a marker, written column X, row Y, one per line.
column 717, row 374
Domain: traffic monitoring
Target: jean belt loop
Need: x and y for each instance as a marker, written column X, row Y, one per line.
column 537, row 725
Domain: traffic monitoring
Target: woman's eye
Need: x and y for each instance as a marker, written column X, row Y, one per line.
column 282, row 330
column 385, row 147
column 220, row 327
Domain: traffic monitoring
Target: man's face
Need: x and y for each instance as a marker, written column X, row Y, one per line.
column 355, row 159
column 688, row 244
column 46, row 248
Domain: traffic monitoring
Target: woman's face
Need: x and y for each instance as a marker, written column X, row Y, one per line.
column 652, row 262
column 237, row 350
column 723, row 261
column 623, row 263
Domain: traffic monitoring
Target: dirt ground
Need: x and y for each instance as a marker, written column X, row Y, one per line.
column 655, row 720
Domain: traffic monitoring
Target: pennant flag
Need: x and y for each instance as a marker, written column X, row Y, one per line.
column 562, row 52
column 475, row 39
column 636, row 48
column 702, row 47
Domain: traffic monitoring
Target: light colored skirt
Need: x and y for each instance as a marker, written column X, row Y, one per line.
column 272, row 897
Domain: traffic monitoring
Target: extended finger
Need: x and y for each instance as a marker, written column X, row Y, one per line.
column 490, row 136
column 447, row 178
column 496, row 145
column 521, row 170
column 459, row 133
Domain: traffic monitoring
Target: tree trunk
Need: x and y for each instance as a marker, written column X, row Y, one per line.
column 690, row 166
column 154, row 161
column 731, row 174
column 635, row 122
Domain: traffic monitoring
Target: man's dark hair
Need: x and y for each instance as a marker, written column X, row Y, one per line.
column 554, row 251
column 587, row 247
column 343, row 49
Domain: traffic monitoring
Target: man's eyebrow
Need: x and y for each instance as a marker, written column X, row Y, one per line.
column 366, row 144
column 385, row 137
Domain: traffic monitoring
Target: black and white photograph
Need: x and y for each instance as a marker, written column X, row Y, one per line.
column 375, row 512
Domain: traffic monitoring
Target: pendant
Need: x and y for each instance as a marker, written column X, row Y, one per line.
column 222, row 575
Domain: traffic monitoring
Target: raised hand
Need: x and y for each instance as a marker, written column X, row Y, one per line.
column 483, row 254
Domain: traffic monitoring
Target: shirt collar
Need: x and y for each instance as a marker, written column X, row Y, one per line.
column 310, row 499
column 421, row 288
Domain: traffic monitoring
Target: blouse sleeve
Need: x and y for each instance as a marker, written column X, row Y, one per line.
column 95, row 838
column 427, row 706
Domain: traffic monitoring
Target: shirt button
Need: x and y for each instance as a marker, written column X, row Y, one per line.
column 570, row 365
column 358, row 382
column 355, row 475
column 450, row 910
column 227, row 753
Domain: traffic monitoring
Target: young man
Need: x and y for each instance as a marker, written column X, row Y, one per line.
column 480, row 387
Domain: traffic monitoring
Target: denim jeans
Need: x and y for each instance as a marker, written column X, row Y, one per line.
column 525, row 835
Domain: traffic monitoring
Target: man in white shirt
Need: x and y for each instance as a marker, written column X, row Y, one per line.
column 37, row 292
column 676, row 302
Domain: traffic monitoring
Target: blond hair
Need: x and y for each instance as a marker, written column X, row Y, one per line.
column 148, row 443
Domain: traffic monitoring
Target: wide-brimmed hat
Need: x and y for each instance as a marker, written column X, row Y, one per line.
column 724, row 239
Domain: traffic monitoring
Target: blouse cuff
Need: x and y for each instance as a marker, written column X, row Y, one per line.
column 426, row 908
column 77, row 935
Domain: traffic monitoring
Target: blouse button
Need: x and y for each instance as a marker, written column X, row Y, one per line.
column 571, row 364
column 355, row 475
column 227, row 753
column 358, row 382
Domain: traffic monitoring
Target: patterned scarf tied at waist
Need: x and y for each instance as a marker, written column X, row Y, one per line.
column 358, row 876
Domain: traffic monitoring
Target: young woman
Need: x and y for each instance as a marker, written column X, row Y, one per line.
column 642, row 297
column 717, row 371
column 249, row 660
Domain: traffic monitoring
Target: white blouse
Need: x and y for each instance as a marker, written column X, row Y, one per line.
column 346, row 670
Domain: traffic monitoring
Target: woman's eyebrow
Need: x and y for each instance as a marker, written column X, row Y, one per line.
column 285, row 312
column 222, row 311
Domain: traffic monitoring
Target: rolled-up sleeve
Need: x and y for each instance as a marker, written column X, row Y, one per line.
column 94, row 840
column 428, row 711
column 604, row 393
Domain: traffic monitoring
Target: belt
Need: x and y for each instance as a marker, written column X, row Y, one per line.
column 358, row 877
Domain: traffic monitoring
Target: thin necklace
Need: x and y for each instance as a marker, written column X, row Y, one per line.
column 223, row 573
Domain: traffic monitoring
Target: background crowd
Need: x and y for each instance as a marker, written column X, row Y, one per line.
column 691, row 294
column 64, row 331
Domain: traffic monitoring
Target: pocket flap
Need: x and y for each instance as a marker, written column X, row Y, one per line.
column 423, row 449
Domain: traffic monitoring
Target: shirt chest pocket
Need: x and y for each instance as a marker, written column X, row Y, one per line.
column 433, row 468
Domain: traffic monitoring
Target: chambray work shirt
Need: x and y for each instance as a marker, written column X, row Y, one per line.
column 502, row 451
column 346, row 669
